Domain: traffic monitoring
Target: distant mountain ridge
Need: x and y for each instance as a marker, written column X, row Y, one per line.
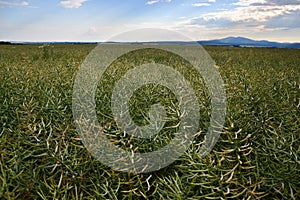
column 228, row 41
column 246, row 42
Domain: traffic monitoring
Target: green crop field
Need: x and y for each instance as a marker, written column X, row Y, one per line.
column 42, row 155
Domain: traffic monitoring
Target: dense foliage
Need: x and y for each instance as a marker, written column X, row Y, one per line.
column 42, row 156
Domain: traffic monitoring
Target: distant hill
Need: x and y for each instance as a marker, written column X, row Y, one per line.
column 246, row 42
column 228, row 41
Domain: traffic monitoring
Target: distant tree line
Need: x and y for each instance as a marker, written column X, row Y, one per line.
column 6, row 43
column 9, row 43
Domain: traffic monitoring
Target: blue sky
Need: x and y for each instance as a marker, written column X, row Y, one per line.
column 99, row 20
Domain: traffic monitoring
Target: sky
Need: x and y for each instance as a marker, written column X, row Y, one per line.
column 100, row 20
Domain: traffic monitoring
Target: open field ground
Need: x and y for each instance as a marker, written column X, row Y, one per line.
column 256, row 157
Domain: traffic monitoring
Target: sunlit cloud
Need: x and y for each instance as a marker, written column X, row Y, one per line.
column 72, row 3
column 247, row 14
column 249, row 2
column 23, row 3
column 157, row 1
column 247, row 17
column 266, row 2
column 200, row 4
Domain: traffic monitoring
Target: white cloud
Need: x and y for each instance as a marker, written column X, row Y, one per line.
column 261, row 17
column 72, row 3
column 152, row 2
column 266, row 2
column 203, row 3
column 23, row 3
column 249, row 2
column 200, row 4
column 260, row 13
column 157, row 1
